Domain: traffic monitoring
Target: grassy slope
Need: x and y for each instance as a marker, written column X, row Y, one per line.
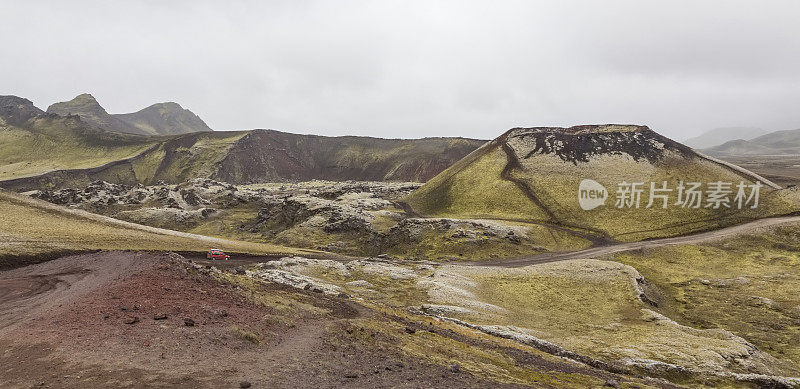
column 66, row 143
column 307, row 157
column 62, row 143
column 473, row 188
column 34, row 228
column 436, row 245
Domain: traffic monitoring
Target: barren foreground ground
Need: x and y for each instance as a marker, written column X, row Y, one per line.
column 136, row 319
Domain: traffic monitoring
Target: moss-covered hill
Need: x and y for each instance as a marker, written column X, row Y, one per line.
column 49, row 150
column 533, row 174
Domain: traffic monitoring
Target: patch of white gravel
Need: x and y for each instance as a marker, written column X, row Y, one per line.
column 452, row 289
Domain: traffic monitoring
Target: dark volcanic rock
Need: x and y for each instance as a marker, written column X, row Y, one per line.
column 578, row 144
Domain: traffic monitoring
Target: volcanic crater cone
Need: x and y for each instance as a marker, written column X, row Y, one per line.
column 533, row 175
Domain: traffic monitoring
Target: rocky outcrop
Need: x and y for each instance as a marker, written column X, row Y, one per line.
column 353, row 218
column 273, row 272
column 166, row 217
column 348, row 212
column 414, row 229
column 160, row 206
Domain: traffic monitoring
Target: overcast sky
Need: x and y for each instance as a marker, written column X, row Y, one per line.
column 416, row 68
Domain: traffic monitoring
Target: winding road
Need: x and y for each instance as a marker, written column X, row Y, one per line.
column 600, row 251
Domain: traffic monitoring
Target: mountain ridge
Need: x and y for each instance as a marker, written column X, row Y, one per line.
column 784, row 142
column 73, row 150
column 721, row 135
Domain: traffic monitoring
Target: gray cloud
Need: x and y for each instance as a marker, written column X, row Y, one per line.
column 413, row 69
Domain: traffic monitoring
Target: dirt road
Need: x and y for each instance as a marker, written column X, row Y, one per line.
column 601, row 251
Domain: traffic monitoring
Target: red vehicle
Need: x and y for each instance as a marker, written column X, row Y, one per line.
column 217, row 254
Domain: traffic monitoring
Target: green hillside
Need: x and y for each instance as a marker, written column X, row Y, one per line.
column 50, row 142
column 37, row 230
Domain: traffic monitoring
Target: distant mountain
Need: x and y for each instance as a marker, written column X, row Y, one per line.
column 719, row 136
column 157, row 119
column 775, row 143
column 90, row 111
column 49, row 150
column 165, row 118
